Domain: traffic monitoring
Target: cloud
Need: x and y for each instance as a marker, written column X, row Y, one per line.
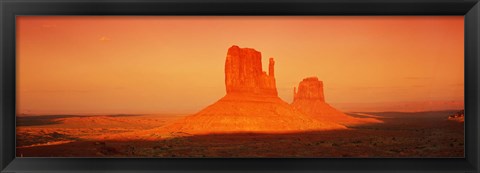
column 104, row 38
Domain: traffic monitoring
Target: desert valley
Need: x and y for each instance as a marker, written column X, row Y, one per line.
column 251, row 120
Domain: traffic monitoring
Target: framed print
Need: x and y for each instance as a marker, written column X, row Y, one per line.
column 175, row 86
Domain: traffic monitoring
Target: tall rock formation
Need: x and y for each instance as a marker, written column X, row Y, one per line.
column 309, row 99
column 251, row 103
column 244, row 74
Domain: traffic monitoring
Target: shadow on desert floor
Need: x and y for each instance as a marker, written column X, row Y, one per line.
column 340, row 143
column 400, row 135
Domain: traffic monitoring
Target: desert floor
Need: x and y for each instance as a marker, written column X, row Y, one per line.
column 422, row 134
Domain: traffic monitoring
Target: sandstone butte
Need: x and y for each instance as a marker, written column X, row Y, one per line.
column 251, row 103
column 310, row 99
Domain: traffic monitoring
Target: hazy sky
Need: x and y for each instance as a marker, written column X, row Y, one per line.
column 176, row 64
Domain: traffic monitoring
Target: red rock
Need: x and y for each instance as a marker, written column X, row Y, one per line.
column 310, row 100
column 310, row 88
column 244, row 74
column 233, row 114
column 251, row 103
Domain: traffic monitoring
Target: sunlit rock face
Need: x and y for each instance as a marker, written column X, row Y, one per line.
column 310, row 99
column 251, row 103
column 244, row 74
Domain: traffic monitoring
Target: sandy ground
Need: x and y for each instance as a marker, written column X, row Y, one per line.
column 422, row 134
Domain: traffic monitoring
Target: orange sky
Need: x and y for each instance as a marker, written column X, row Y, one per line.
column 84, row 65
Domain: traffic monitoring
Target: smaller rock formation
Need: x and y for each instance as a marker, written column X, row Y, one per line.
column 459, row 116
column 309, row 88
column 309, row 99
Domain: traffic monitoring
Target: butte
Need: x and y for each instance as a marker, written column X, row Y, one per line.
column 251, row 103
column 310, row 100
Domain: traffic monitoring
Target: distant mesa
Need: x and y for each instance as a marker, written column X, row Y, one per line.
column 251, row 103
column 310, row 99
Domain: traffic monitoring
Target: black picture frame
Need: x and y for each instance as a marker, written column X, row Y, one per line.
column 9, row 9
